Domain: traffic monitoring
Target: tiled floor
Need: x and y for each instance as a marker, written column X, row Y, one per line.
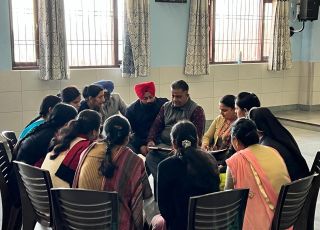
column 308, row 141
column 304, row 116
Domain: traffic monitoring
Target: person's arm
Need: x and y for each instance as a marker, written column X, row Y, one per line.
column 130, row 116
column 209, row 135
column 229, row 180
column 122, row 106
column 156, row 127
column 198, row 118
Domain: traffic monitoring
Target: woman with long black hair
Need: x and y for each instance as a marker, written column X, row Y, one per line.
column 46, row 107
column 33, row 148
column 190, row 172
column 80, row 133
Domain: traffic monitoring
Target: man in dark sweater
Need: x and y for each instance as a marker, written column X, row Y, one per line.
column 181, row 107
column 141, row 115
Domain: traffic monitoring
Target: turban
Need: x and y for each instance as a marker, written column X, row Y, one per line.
column 106, row 85
column 144, row 87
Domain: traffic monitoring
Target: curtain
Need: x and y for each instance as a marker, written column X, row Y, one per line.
column 197, row 57
column 53, row 61
column 280, row 50
column 136, row 56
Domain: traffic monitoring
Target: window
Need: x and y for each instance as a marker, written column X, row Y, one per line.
column 93, row 32
column 240, row 29
column 24, row 36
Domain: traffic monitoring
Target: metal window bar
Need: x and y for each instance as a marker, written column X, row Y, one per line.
column 120, row 29
column 240, row 28
column 91, row 33
column 23, row 33
column 92, row 27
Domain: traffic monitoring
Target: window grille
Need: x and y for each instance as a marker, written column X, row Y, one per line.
column 93, row 30
column 23, row 32
column 240, row 30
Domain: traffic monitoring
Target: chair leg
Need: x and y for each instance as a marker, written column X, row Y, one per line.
column 155, row 188
column 29, row 224
column 28, row 216
column 15, row 221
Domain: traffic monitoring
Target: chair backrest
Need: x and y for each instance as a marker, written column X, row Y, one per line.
column 11, row 138
column 306, row 218
column 316, row 164
column 5, row 158
column 6, row 195
column 35, row 184
column 85, row 209
column 291, row 200
column 220, row 210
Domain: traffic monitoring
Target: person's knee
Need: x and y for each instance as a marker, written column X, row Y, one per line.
column 152, row 163
column 158, row 223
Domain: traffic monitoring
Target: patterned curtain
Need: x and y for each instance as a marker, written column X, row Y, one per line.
column 280, row 51
column 52, row 38
column 136, row 56
column 197, row 57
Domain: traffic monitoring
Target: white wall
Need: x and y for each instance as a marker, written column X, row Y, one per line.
column 21, row 92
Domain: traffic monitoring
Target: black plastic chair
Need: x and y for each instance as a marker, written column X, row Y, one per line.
column 85, row 209
column 34, row 185
column 306, row 219
column 291, row 200
column 11, row 206
column 11, row 138
column 220, row 210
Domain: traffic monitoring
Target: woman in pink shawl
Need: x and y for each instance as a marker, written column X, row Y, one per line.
column 259, row 168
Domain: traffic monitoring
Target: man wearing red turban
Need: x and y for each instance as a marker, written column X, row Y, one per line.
column 142, row 113
column 145, row 87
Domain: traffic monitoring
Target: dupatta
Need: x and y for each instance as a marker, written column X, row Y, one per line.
column 247, row 173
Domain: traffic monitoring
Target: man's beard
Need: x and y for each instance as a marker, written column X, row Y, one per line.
column 148, row 105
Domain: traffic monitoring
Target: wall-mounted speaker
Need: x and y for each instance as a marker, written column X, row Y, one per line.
column 309, row 10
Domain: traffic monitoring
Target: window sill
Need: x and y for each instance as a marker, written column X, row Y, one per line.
column 236, row 63
column 71, row 67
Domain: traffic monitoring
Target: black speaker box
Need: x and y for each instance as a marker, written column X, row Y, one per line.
column 309, row 10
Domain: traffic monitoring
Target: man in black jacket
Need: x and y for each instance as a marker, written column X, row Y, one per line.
column 141, row 115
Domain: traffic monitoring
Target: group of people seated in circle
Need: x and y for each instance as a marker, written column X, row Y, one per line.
column 95, row 143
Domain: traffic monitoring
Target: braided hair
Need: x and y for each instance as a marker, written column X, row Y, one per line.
column 87, row 121
column 116, row 129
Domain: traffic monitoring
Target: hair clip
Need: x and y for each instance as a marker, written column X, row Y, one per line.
column 186, row 144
